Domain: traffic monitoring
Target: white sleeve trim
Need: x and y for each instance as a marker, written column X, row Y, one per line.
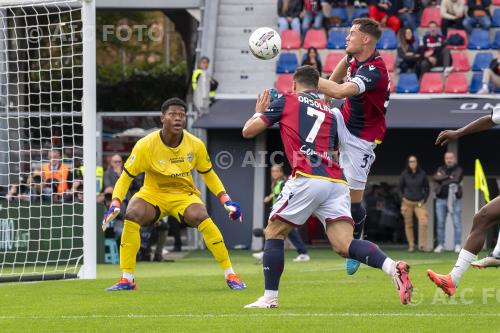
column 359, row 82
column 495, row 115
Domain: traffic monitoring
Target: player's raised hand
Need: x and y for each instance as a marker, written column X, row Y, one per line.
column 263, row 102
column 113, row 211
column 445, row 137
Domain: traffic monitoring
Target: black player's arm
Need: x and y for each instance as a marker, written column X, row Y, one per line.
column 336, row 90
column 481, row 124
column 340, row 71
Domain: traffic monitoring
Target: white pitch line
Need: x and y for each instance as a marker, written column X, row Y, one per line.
column 248, row 315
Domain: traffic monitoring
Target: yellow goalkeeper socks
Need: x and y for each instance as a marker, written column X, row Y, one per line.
column 215, row 243
column 130, row 244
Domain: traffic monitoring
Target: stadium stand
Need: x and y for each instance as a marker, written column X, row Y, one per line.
column 496, row 41
column 284, row 83
column 460, row 61
column 389, row 59
column 407, row 83
column 495, row 18
column 479, row 40
column 343, row 15
column 359, row 12
column 290, row 40
column 481, row 61
column 476, row 82
column 431, row 83
column 287, row 62
column 456, row 83
column 430, row 14
column 387, row 41
column 461, row 33
column 315, row 38
column 332, row 59
column 336, row 39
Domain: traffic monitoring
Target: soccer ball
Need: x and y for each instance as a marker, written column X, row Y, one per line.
column 265, row 43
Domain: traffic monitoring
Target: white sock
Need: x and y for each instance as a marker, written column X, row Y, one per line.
column 270, row 293
column 228, row 271
column 128, row 276
column 496, row 250
column 463, row 262
column 485, row 86
column 389, row 266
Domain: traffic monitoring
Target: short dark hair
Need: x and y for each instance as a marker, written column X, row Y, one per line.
column 433, row 22
column 368, row 26
column 173, row 101
column 307, row 76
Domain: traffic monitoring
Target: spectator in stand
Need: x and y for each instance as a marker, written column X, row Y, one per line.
column 204, row 86
column 385, row 12
column 414, row 188
column 289, row 12
column 112, row 174
column 19, row 191
column 452, row 13
column 326, row 6
column 448, row 179
column 313, row 59
column 56, row 176
column 478, row 14
column 360, row 3
column 408, row 52
column 406, row 13
column 433, row 52
column 491, row 73
column 312, row 14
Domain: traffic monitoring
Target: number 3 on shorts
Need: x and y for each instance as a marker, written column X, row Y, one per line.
column 367, row 162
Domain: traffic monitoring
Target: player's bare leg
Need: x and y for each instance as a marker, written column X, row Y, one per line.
column 196, row 215
column 340, row 236
column 358, row 213
column 486, row 218
column 139, row 212
column 273, row 263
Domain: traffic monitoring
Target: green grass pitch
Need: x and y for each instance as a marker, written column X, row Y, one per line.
column 190, row 295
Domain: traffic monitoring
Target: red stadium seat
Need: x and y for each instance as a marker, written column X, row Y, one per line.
column 460, row 61
column 290, row 40
column 332, row 59
column 284, row 83
column 496, row 2
column 461, row 33
column 431, row 83
column 456, row 83
column 430, row 14
column 393, row 82
column 389, row 60
column 315, row 38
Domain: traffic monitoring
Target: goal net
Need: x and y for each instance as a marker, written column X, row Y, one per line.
column 42, row 120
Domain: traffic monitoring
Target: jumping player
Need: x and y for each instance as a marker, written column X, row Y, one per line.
column 317, row 186
column 487, row 217
column 366, row 94
column 168, row 158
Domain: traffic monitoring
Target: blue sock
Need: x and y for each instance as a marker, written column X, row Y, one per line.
column 273, row 263
column 367, row 253
column 358, row 213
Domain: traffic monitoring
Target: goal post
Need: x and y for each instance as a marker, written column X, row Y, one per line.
column 47, row 140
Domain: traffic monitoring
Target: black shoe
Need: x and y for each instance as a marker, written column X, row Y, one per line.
column 158, row 257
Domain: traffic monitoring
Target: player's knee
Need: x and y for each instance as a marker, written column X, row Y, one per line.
column 482, row 220
column 194, row 215
column 134, row 214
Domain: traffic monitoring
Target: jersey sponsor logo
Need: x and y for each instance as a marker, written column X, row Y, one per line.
column 175, row 160
column 179, row 175
column 311, row 152
column 132, row 159
column 366, row 79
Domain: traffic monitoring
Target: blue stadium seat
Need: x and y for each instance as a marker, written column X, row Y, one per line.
column 287, row 62
column 477, row 82
column 359, row 12
column 408, row 83
column 344, row 16
column 495, row 18
column 388, row 40
column 479, row 40
column 336, row 39
column 481, row 61
column 496, row 41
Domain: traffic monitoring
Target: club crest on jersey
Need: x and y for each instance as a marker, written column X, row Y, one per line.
column 190, row 157
column 132, row 159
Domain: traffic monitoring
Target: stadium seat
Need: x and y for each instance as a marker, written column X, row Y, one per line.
column 359, row 12
column 315, row 38
column 284, row 83
column 290, row 40
column 408, row 83
column 476, row 82
column 479, row 40
column 430, row 14
column 389, row 59
column 287, row 62
column 481, row 61
column 332, row 59
column 336, row 39
column 343, row 15
column 495, row 18
column 387, row 41
column 456, row 83
column 496, row 41
column 393, row 82
column 460, row 61
column 496, row 2
column 461, row 33
column 431, row 83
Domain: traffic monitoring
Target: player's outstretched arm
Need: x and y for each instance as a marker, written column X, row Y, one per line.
column 481, row 124
column 338, row 91
column 119, row 192
column 255, row 125
column 340, row 70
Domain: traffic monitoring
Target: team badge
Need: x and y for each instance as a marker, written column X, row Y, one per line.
column 190, row 157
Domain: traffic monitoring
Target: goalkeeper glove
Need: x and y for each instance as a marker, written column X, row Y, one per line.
column 233, row 208
column 111, row 214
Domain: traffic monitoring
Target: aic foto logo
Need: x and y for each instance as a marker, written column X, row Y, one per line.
column 11, row 237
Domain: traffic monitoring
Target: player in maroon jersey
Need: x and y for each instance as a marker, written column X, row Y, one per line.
column 366, row 93
column 317, row 186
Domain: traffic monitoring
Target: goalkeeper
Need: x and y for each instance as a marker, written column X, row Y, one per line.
column 168, row 157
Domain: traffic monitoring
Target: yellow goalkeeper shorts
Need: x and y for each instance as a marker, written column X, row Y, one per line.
column 169, row 204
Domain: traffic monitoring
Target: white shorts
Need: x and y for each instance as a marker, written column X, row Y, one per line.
column 303, row 196
column 356, row 157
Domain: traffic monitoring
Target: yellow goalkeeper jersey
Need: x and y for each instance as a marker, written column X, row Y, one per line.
column 167, row 169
